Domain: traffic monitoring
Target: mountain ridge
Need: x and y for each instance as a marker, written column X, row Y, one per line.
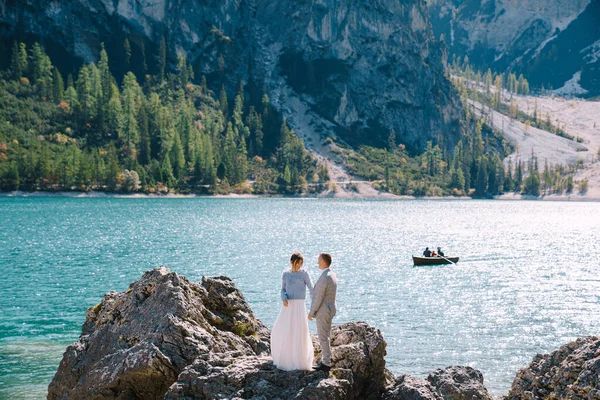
column 355, row 64
column 554, row 44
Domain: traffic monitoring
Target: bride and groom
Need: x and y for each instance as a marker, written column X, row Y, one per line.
column 291, row 344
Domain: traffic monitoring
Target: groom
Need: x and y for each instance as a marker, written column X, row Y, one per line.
column 323, row 309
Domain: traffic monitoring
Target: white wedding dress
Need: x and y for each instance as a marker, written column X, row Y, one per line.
column 291, row 344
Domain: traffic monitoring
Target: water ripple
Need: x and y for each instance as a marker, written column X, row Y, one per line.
column 527, row 281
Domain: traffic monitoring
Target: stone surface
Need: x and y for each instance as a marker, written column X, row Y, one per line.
column 360, row 68
column 452, row 383
column 358, row 372
column 408, row 387
column 571, row 372
column 459, row 383
column 135, row 343
column 167, row 337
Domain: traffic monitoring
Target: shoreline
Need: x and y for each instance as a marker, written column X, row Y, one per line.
column 108, row 195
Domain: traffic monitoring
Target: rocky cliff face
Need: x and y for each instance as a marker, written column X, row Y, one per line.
column 571, row 372
column 360, row 68
column 167, row 337
column 135, row 344
column 552, row 43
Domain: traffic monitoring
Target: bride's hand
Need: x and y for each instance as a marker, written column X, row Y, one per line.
column 285, row 303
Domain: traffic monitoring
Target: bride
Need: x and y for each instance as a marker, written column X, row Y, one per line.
column 291, row 344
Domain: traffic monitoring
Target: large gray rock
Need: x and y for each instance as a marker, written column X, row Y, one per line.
column 360, row 68
column 408, row 387
column 168, row 337
column 452, row 383
column 254, row 377
column 358, row 372
column 571, row 372
column 459, row 383
column 134, row 344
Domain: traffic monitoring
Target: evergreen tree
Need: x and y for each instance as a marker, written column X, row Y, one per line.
column 17, row 69
column 132, row 97
column 457, row 178
column 114, row 170
column 145, row 154
column 241, row 164
column 12, row 179
column 508, row 181
column 59, row 88
column 254, row 122
column 85, row 95
column 482, row 178
column 532, row 183
column 106, row 83
column 287, row 175
column 223, row 103
column 127, row 49
column 114, row 113
column 71, row 98
column 238, row 113
column 144, row 59
column 162, row 58
column 178, row 158
column 185, row 71
column 42, row 71
column 519, row 176
column 493, row 184
column 167, row 172
column 392, row 146
column 229, row 155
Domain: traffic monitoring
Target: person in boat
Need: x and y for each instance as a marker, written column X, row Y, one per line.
column 427, row 252
column 440, row 252
column 434, row 254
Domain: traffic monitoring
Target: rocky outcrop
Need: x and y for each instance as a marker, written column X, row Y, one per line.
column 167, row 337
column 135, row 344
column 358, row 372
column 452, row 383
column 408, row 387
column 359, row 68
column 458, row 383
column 571, row 372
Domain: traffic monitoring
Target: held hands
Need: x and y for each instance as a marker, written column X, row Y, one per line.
column 285, row 303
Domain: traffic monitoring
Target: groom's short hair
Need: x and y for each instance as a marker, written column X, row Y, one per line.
column 326, row 257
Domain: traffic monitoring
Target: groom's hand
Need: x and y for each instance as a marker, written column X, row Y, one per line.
column 285, row 303
column 310, row 317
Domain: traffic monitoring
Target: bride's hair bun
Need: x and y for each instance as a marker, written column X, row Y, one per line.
column 297, row 260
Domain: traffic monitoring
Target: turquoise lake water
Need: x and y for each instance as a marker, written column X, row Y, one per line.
column 528, row 280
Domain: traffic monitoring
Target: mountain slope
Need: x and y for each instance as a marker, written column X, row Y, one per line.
column 550, row 42
column 364, row 68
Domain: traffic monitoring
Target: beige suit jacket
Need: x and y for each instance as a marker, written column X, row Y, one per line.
column 323, row 298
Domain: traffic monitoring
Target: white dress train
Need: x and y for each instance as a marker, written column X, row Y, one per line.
column 291, row 345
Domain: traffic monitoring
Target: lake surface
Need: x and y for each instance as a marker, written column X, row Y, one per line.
column 527, row 281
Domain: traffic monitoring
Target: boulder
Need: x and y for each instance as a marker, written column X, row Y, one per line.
column 452, row 383
column 254, row 377
column 573, row 372
column 459, row 383
column 358, row 372
column 134, row 344
column 167, row 337
column 408, row 387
